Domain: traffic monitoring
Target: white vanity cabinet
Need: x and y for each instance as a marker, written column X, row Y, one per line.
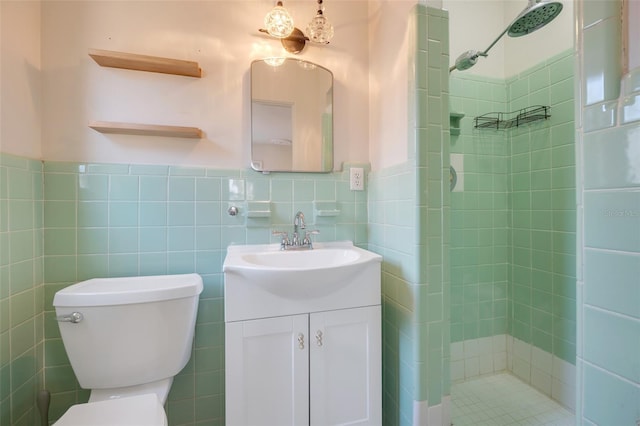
column 345, row 367
column 316, row 369
column 302, row 336
column 267, row 371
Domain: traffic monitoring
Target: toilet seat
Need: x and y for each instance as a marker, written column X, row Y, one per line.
column 140, row 410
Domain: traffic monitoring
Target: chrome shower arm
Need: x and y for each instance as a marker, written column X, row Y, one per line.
column 470, row 57
column 486, row 51
column 536, row 15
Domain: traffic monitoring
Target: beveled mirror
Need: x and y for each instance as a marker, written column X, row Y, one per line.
column 291, row 116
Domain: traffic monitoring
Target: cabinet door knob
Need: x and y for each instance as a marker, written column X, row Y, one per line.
column 301, row 340
column 319, row 338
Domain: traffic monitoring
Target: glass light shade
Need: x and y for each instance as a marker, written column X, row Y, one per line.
column 320, row 29
column 278, row 22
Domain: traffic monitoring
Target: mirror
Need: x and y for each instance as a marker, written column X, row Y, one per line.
column 291, row 116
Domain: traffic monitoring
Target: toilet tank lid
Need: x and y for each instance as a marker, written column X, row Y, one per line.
column 128, row 290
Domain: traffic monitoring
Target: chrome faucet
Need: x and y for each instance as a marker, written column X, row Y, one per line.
column 296, row 242
column 298, row 224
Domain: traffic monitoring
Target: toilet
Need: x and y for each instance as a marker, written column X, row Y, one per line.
column 126, row 339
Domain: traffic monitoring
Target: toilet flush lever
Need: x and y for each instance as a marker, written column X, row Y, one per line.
column 73, row 317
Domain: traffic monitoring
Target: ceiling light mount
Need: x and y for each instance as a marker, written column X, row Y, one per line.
column 294, row 43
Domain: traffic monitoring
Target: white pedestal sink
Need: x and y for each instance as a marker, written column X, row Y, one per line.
column 264, row 281
column 302, row 336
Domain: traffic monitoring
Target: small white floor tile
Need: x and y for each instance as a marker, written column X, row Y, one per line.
column 504, row 400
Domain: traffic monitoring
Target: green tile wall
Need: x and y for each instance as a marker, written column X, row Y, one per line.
column 107, row 220
column 480, row 220
column 608, row 296
column 543, row 210
column 21, row 289
column 408, row 225
column 391, row 223
column 513, row 228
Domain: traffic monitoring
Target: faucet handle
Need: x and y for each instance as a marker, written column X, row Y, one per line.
column 285, row 238
column 307, row 238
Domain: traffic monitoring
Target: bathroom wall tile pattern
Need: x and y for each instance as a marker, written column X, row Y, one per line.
column 479, row 221
column 602, row 68
column 105, row 220
column 21, row 289
column 609, row 213
column 409, row 230
column 542, row 206
column 518, row 201
column 534, row 231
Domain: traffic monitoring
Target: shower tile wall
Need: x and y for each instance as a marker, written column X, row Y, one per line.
column 543, row 208
column 21, row 289
column 114, row 220
column 609, row 258
column 391, row 222
column 408, row 211
column 513, row 232
column 479, row 214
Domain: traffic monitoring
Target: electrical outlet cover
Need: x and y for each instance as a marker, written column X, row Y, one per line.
column 356, row 179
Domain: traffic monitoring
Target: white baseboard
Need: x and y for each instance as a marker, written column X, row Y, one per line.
column 437, row 415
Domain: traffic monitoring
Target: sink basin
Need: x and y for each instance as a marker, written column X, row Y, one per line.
column 302, row 260
column 263, row 281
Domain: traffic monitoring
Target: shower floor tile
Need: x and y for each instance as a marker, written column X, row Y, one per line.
column 502, row 400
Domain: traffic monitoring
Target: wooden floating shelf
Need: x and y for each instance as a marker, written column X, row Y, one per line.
column 132, row 61
column 146, row 129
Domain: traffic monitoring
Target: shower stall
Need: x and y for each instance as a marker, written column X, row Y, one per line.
column 513, row 214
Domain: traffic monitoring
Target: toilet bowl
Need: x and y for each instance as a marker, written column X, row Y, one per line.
column 126, row 339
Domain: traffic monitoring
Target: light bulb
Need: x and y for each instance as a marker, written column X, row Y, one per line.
column 278, row 22
column 320, row 29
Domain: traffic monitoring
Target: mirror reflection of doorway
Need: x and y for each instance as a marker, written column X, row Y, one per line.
column 273, row 122
column 306, row 90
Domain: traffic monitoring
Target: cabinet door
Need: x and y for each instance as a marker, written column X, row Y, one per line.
column 267, row 372
column 346, row 367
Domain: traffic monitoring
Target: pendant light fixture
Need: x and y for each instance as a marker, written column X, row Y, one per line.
column 278, row 22
column 320, row 29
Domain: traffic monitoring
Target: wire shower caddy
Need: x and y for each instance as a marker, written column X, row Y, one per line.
column 507, row 120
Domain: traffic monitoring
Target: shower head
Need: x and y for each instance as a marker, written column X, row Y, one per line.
column 536, row 15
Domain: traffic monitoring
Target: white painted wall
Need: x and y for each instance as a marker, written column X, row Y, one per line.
column 222, row 36
column 476, row 24
column 368, row 57
column 20, row 78
column 388, row 77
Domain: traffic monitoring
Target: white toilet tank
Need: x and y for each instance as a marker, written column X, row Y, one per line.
column 130, row 331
